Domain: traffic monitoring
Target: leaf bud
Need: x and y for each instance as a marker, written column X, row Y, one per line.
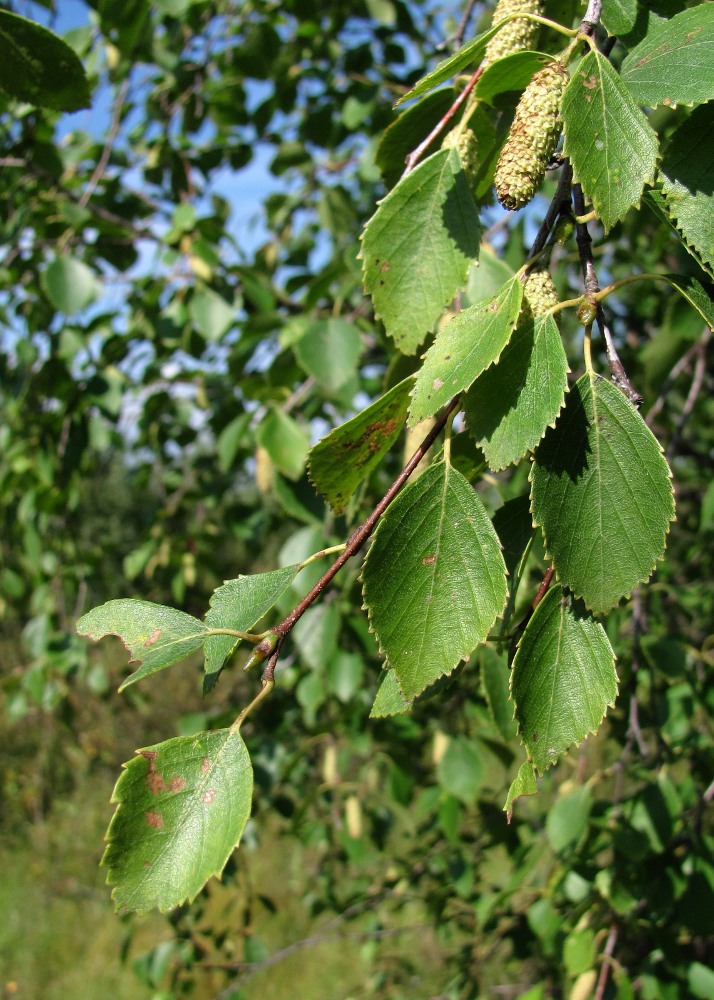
column 532, row 138
column 517, row 35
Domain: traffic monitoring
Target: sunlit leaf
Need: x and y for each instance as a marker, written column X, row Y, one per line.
column 608, row 139
column 673, row 63
column 434, row 578
column 418, row 246
column 155, row 635
column 182, row 807
column 471, row 342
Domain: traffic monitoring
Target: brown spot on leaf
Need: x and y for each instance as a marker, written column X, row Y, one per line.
column 384, row 267
column 178, row 784
column 493, row 306
column 155, row 782
column 589, row 81
column 437, row 383
column 209, row 796
column 153, row 637
column 155, row 819
column 205, row 765
column 428, row 560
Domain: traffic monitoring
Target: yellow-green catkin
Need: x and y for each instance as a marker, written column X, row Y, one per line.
column 532, row 138
column 465, row 141
column 539, row 294
column 519, row 34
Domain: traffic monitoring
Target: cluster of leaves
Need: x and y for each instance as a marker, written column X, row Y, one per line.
column 220, row 373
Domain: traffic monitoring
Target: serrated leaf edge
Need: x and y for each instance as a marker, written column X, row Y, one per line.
column 549, row 557
column 216, row 873
column 529, row 452
column 591, row 732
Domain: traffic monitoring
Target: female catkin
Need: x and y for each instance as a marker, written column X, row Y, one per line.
column 532, row 138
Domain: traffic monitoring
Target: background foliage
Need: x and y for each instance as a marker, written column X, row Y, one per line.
column 173, row 342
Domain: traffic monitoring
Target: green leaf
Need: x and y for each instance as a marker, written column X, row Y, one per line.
column 522, row 785
column 468, row 55
column 460, row 769
column 155, row 635
column 389, row 700
column 563, row 678
column 512, row 73
column 657, row 202
column 602, row 492
column 182, row 807
column 348, row 454
column 239, row 604
column 610, row 143
column 285, row 441
column 417, row 248
column 40, row 68
column 698, row 294
column 411, row 128
column 509, row 407
column 211, row 314
column 434, row 578
column 69, row 284
column 329, row 350
column 674, row 64
column 688, row 180
column 471, row 342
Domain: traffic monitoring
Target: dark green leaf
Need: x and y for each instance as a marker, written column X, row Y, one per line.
column 563, row 678
column 511, row 73
column 411, row 128
column 348, row 454
column 40, row 68
column 509, row 407
column 602, row 492
column 688, row 180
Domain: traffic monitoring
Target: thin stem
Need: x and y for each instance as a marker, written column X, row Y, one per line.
column 677, row 370
column 587, row 350
column 263, row 693
column 110, row 140
column 606, row 960
column 416, row 154
column 246, row 636
column 323, row 552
